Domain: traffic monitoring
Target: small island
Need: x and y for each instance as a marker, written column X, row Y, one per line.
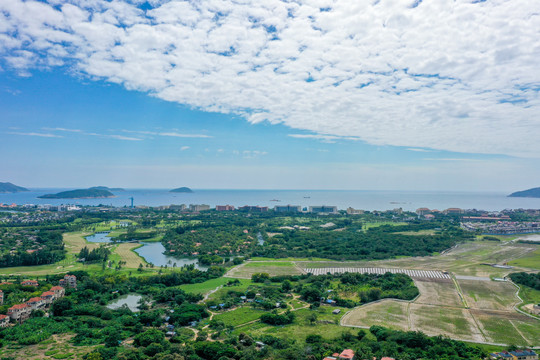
column 531, row 193
column 182, row 190
column 80, row 194
column 107, row 188
column 7, row 187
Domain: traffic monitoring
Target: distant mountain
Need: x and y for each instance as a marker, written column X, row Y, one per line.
column 79, row 194
column 107, row 188
column 182, row 190
column 532, row 193
column 8, row 187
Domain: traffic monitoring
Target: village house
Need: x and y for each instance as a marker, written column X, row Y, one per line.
column 35, row 303
column 47, row 297
column 4, row 320
column 19, row 312
column 516, row 355
column 346, row 354
column 58, row 291
column 69, row 281
column 30, row 283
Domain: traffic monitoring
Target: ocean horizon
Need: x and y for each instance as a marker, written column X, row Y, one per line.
column 358, row 199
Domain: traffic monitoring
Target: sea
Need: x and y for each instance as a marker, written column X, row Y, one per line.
column 358, row 199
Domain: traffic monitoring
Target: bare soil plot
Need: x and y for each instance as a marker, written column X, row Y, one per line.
column 489, row 295
column 388, row 313
column 440, row 320
column 438, row 292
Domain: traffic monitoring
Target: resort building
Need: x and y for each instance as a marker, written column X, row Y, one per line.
column 287, row 208
column 35, row 303
column 47, row 297
column 197, row 208
column 224, row 208
column 30, row 283
column 253, row 208
column 19, row 312
column 323, row 209
column 423, row 211
column 69, row 281
column 351, row 211
column 453, row 211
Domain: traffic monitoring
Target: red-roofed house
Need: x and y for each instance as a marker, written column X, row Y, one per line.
column 387, row 358
column 35, row 303
column 346, row 354
column 30, row 283
column 58, row 292
column 47, row 297
column 69, row 281
column 19, row 312
column 4, row 320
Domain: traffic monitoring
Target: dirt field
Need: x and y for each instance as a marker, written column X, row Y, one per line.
column 56, row 347
column 438, row 293
column 489, row 295
column 439, row 311
column 453, row 322
column 388, row 313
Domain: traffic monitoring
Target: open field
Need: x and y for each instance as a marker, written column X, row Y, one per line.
column 207, row 286
column 489, row 295
column 273, row 268
column 530, row 260
column 453, row 322
column 57, row 347
column 439, row 310
column 465, row 259
column 125, row 253
column 327, row 326
column 239, row 316
column 388, row 313
column 438, row 293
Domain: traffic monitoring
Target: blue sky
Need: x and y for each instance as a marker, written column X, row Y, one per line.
column 285, row 96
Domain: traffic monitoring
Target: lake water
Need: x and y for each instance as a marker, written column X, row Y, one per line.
column 154, row 253
column 131, row 300
column 99, row 238
column 366, row 200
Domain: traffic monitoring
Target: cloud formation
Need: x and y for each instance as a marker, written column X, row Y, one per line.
column 451, row 75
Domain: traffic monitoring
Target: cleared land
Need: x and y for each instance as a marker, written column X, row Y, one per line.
column 273, row 268
column 439, row 310
column 489, row 295
column 389, row 313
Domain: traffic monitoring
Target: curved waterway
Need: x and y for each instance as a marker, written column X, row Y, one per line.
column 154, row 253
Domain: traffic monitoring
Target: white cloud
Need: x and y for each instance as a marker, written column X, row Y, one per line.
column 449, row 75
column 184, row 148
column 47, row 135
column 418, row 150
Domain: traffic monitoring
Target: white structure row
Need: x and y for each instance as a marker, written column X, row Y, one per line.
column 433, row 274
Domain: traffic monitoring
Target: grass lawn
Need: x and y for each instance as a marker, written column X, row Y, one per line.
column 417, row 233
column 240, row 315
column 205, row 287
column 531, row 260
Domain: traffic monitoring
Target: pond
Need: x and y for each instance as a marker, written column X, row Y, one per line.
column 260, row 238
column 154, row 253
column 101, row 237
column 131, row 300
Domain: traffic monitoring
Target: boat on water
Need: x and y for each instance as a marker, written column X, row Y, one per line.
column 275, row 200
